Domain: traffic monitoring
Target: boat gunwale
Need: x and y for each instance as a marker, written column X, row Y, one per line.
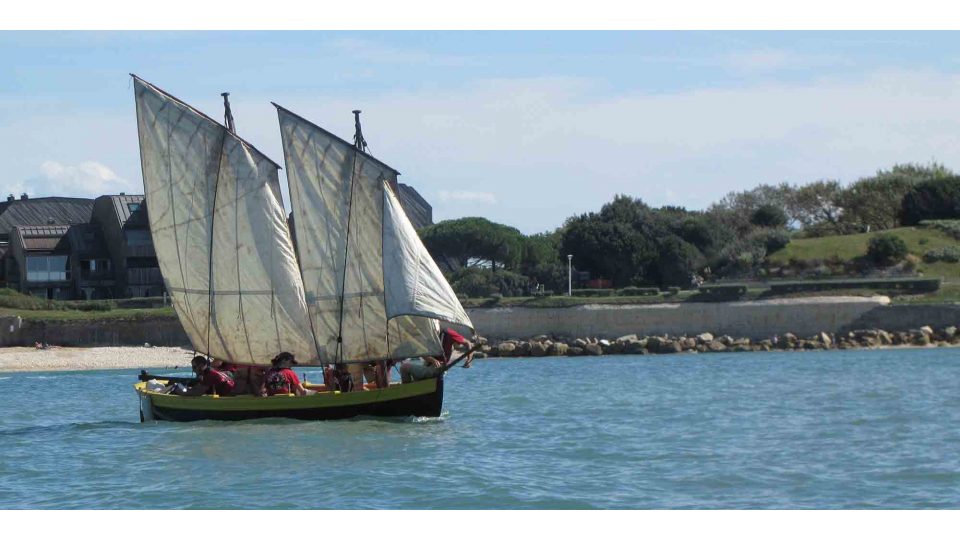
column 287, row 402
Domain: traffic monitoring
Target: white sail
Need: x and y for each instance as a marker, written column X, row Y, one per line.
column 360, row 300
column 415, row 286
column 220, row 235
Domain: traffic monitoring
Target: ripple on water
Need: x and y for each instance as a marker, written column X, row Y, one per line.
column 856, row 429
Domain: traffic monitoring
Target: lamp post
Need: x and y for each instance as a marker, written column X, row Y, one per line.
column 569, row 275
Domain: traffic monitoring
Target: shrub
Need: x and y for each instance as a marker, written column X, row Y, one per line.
column 593, row 292
column 673, row 290
column 481, row 282
column 932, row 199
column 945, row 254
column 908, row 284
column 949, row 226
column 886, row 249
column 722, row 292
column 771, row 239
column 638, row 291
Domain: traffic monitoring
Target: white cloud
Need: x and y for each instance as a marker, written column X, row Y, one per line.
column 371, row 51
column 468, row 196
column 86, row 179
column 550, row 148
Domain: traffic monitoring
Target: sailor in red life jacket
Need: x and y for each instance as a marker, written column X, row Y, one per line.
column 430, row 366
column 280, row 379
column 211, row 381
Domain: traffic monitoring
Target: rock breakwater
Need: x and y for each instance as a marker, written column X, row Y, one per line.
column 706, row 342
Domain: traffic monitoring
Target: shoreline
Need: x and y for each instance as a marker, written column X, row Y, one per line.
column 28, row 359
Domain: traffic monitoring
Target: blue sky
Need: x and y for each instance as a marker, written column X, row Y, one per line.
column 525, row 128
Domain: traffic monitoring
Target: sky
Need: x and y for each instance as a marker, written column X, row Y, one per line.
column 523, row 128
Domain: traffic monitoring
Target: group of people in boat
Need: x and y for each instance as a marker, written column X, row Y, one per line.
column 226, row 379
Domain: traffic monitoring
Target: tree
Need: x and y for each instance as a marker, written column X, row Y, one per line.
column 611, row 249
column 633, row 244
column 768, row 215
column 735, row 209
column 875, row 202
column 932, row 199
column 677, row 260
column 817, row 205
column 474, row 241
column 541, row 248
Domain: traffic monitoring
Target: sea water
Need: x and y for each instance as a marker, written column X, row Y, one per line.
column 836, row 429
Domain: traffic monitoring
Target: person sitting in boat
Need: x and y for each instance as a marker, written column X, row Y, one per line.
column 280, row 379
column 431, row 366
column 211, row 381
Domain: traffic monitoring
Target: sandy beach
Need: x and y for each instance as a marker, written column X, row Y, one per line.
column 78, row 358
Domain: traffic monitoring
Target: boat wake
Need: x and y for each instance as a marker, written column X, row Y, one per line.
column 429, row 419
column 60, row 428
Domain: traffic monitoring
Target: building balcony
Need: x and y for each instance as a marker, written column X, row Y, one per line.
column 144, row 276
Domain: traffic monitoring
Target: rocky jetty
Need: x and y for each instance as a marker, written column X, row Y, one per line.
column 706, row 342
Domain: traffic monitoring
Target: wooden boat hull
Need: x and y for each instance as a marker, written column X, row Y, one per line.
column 420, row 398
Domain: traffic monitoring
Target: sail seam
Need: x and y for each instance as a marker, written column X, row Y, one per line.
column 173, row 208
column 213, row 217
column 308, row 142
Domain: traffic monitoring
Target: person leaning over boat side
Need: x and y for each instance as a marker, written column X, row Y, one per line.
column 430, row 366
column 280, row 379
column 211, row 380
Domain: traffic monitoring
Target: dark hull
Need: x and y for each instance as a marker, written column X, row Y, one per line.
column 400, row 400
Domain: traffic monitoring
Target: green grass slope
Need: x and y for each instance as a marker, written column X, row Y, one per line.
column 919, row 240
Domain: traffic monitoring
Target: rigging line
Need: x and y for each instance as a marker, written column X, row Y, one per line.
column 273, row 269
column 213, row 215
column 346, row 250
column 273, row 259
column 360, row 265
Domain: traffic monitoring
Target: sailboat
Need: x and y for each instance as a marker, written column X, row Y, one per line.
column 356, row 286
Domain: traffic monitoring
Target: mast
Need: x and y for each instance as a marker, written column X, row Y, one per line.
column 227, row 114
column 358, row 141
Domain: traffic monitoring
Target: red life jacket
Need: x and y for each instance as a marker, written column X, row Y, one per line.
column 220, row 383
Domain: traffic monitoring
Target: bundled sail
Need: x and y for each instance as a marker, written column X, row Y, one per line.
column 220, row 235
column 372, row 289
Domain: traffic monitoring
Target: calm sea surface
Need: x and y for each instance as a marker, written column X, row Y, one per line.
column 854, row 429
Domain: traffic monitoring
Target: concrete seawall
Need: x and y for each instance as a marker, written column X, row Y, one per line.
column 162, row 332
column 755, row 320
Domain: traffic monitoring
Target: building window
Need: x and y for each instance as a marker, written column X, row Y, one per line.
column 133, row 207
column 94, row 267
column 138, row 237
column 49, row 268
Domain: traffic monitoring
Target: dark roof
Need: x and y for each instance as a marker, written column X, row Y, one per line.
column 44, row 238
column 129, row 218
column 44, row 211
column 417, row 208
